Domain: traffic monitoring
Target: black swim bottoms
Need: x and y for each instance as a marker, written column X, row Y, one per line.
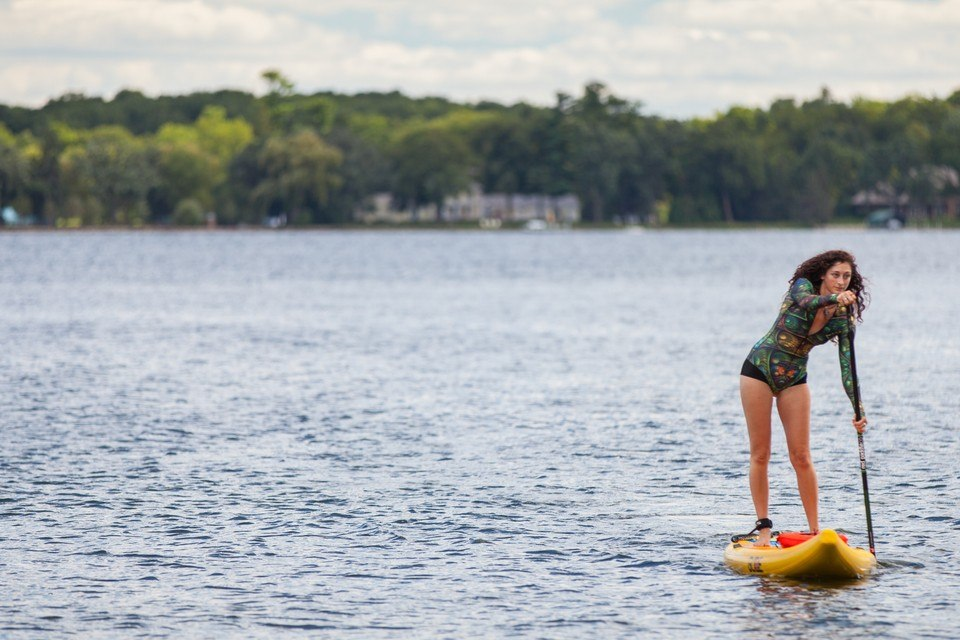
column 753, row 371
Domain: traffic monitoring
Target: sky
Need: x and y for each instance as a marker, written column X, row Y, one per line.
column 679, row 58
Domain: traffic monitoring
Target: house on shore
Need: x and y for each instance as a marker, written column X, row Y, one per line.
column 476, row 206
column 933, row 196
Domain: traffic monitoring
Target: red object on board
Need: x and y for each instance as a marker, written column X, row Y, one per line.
column 793, row 538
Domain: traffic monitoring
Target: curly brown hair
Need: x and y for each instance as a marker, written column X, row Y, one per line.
column 813, row 269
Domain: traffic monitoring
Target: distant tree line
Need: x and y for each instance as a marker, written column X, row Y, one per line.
column 134, row 160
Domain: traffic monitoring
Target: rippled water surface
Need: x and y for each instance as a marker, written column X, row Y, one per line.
column 393, row 434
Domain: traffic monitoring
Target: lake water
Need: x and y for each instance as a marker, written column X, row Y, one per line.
column 431, row 434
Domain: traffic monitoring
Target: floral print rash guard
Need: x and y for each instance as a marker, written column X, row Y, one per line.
column 782, row 354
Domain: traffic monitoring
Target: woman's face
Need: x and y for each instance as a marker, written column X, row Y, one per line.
column 837, row 278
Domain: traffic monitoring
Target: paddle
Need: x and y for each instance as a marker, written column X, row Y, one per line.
column 863, row 455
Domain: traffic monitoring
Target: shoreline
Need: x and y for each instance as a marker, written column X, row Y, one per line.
column 471, row 228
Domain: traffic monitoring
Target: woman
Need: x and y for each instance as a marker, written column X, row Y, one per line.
column 825, row 299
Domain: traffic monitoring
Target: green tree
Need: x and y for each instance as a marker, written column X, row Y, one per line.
column 945, row 145
column 598, row 156
column 524, row 150
column 298, row 175
column 734, row 156
column 14, row 168
column 185, row 172
column 48, row 190
column 193, row 160
column 601, row 143
column 188, row 213
column 827, row 171
column 116, row 170
column 290, row 111
column 220, row 136
column 308, row 112
column 430, row 163
column 616, row 165
column 365, row 170
column 372, row 128
column 278, row 85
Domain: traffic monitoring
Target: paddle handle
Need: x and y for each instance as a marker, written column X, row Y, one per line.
column 863, row 454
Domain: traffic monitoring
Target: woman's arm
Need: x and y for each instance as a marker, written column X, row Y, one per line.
column 803, row 294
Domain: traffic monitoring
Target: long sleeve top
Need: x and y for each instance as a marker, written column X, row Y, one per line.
column 782, row 353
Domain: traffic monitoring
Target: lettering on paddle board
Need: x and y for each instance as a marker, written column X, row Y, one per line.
column 754, row 565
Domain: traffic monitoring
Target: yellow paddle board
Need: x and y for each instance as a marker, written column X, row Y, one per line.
column 822, row 556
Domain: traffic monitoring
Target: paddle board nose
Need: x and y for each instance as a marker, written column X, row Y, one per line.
column 829, row 536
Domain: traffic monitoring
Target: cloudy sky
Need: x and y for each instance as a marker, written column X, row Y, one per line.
column 681, row 58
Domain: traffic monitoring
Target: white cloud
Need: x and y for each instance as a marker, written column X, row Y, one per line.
column 511, row 22
column 681, row 57
column 125, row 27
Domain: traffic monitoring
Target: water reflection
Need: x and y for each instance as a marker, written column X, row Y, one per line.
column 784, row 605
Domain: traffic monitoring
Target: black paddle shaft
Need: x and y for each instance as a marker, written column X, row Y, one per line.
column 863, row 455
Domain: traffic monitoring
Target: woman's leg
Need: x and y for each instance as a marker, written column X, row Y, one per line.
column 757, row 402
column 793, row 405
